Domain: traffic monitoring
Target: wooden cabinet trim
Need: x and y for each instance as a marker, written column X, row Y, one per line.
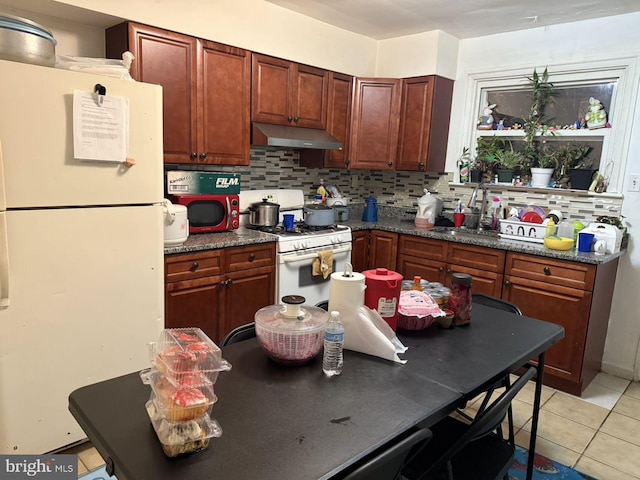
column 557, row 272
column 423, row 247
column 245, row 258
column 192, row 265
column 483, row 258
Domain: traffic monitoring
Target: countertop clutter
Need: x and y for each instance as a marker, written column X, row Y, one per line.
column 244, row 236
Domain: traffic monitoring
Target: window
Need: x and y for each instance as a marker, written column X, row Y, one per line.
column 608, row 81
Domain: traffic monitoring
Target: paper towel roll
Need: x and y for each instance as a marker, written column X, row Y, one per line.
column 346, row 292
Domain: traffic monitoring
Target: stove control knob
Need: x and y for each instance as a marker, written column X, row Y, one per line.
column 305, row 245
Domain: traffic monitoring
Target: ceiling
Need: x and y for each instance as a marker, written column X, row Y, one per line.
column 382, row 19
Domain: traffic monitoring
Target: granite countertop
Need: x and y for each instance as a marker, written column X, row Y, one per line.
column 481, row 239
column 244, row 236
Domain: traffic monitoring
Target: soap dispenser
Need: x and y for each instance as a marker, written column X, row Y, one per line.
column 426, row 215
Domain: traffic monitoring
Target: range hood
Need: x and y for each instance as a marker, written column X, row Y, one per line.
column 293, row 137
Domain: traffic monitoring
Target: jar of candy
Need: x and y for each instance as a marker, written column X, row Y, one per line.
column 460, row 298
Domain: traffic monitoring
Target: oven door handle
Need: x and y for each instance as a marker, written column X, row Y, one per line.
column 300, row 258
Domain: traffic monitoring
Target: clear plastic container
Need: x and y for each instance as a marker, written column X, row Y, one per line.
column 178, row 410
column 179, row 438
column 180, row 353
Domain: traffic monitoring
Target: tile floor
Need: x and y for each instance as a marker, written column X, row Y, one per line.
column 598, row 433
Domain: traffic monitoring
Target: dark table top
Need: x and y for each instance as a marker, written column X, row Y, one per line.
column 284, row 422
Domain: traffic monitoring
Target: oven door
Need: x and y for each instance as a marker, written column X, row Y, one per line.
column 294, row 274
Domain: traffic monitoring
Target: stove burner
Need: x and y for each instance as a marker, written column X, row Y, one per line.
column 300, row 228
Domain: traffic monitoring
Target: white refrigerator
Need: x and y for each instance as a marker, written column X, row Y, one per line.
column 81, row 252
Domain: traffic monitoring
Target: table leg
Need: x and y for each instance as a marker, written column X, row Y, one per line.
column 534, row 420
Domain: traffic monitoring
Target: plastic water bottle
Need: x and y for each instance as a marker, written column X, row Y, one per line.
column 333, row 343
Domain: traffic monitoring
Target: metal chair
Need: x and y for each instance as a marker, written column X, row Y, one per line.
column 495, row 303
column 388, row 464
column 475, row 452
column 243, row 332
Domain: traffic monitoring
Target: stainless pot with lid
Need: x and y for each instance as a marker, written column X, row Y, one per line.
column 264, row 214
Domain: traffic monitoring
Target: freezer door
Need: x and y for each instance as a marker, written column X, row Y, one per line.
column 85, row 298
column 36, row 130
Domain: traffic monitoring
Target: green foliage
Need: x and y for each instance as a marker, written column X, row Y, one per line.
column 487, row 151
column 509, row 159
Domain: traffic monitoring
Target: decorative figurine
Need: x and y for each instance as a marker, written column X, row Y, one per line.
column 500, row 125
column 596, row 116
column 485, row 122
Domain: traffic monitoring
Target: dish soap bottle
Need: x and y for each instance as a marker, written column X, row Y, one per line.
column 322, row 191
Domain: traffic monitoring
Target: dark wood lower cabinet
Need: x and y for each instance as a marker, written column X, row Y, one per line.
column 576, row 296
column 218, row 290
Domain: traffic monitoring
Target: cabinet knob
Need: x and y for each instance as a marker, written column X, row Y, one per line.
column 421, row 166
column 194, row 266
column 547, row 271
column 229, row 282
column 203, row 157
column 289, row 118
column 507, row 283
column 441, row 269
column 347, row 162
column 448, row 271
column 193, row 155
column 390, row 164
column 252, row 257
column 297, row 119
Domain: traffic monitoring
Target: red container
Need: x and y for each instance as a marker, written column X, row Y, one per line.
column 383, row 293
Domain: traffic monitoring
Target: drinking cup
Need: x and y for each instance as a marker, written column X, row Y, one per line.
column 288, row 220
column 458, row 219
column 585, row 241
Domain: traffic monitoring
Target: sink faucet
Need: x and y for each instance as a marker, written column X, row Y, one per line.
column 482, row 222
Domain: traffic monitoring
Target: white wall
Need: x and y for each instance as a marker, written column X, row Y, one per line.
column 571, row 43
column 420, row 54
column 252, row 24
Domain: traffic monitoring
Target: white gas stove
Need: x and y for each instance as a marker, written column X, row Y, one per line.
column 300, row 248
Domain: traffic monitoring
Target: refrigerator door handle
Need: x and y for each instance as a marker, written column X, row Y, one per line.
column 4, row 262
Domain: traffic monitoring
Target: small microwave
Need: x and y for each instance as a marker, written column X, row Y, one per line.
column 211, row 213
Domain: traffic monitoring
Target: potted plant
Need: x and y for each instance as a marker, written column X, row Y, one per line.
column 575, row 165
column 508, row 161
column 539, row 157
column 487, row 149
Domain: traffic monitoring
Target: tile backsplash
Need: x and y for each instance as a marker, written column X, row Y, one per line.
column 274, row 168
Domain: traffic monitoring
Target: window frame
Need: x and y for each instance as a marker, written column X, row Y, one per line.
column 616, row 140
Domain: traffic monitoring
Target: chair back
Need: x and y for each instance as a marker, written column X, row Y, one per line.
column 487, row 421
column 387, row 465
column 495, row 303
column 243, row 332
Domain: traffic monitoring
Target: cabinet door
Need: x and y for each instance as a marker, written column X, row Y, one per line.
column 194, row 303
column 374, row 133
column 360, row 250
column 339, row 118
column 310, row 90
column 485, row 282
column 568, row 307
column 223, row 105
column 424, row 123
column 383, row 248
column 271, row 86
column 244, row 293
column 431, row 270
column 168, row 59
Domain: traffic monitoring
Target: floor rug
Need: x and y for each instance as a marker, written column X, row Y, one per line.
column 98, row 474
column 543, row 469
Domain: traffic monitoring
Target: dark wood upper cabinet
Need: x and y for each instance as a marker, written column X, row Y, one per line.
column 287, row 93
column 206, row 92
column 374, row 127
column 339, row 118
column 424, row 123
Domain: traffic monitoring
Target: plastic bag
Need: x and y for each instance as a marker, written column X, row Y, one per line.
column 98, row 66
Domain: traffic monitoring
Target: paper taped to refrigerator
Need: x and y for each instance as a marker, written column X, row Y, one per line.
column 100, row 127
